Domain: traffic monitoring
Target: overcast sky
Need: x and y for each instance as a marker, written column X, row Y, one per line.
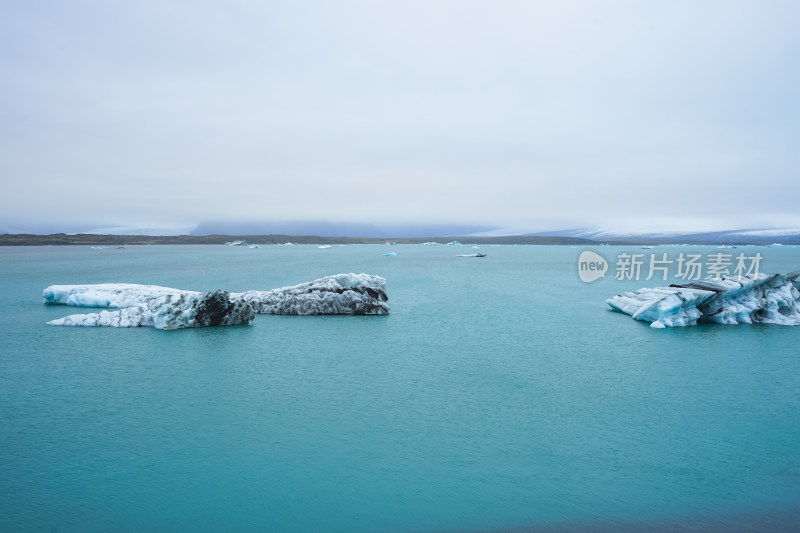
column 533, row 115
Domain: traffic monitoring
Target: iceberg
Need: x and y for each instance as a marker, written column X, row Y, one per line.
column 762, row 298
column 340, row 294
column 171, row 311
column 106, row 294
column 167, row 308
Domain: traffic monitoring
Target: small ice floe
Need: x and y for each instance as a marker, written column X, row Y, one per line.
column 472, row 255
column 98, row 247
column 762, row 298
column 254, row 246
column 390, row 254
column 324, row 246
column 236, row 243
column 476, row 247
column 429, row 243
column 454, row 243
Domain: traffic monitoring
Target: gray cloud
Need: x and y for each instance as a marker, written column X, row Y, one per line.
column 527, row 114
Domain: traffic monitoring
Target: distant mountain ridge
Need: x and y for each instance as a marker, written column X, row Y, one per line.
column 336, row 229
column 314, row 231
column 738, row 236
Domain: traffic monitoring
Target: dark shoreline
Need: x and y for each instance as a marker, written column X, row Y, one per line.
column 23, row 239
column 89, row 239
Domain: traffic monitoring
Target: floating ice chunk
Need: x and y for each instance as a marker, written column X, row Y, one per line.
column 254, row 246
column 236, row 243
column 105, row 294
column 341, row 294
column 772, row 299
column 171, row 311
column 670, row 306
column 324, row 246
column 472, row 255
column 390, row 254
column 454, row 243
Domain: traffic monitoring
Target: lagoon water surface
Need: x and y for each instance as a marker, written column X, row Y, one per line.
column 501, row 393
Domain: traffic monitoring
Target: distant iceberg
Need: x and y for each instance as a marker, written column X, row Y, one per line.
column 167, row 308
column 171, row 311
column 771, row 299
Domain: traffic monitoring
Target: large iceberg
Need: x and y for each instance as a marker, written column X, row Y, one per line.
column 167, row 308
column 171, row 311
column 342, row 294
column 106, row 294
column 772, row 299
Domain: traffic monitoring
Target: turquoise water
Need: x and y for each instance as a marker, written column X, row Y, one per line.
column 499, row 393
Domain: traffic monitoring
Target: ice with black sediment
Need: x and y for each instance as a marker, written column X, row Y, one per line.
column 762, row 298
column 341, row 294
column 168, row 308
column 173, row 310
